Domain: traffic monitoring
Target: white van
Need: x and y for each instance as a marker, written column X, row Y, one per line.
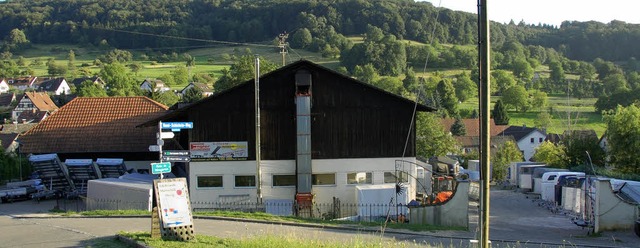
column 549, row 182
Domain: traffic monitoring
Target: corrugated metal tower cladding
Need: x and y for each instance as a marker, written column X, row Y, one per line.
column 349, row 119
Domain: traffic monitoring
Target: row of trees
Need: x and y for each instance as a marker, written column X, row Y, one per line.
column 120, row 22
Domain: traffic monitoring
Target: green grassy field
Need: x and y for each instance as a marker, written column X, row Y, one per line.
column 567, row 113
column 210, row 60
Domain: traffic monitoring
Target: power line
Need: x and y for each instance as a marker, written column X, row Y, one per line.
column 186, row 38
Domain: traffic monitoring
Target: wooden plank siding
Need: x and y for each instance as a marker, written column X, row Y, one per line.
column 349, row 119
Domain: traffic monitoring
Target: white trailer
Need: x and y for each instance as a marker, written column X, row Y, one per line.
column 549, row 182
column 378, row 200
column 120, row 193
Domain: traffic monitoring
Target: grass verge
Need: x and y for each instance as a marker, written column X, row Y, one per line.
column 269, row 217
column 270, row 241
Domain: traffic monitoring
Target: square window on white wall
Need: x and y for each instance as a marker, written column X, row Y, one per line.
column 359, row 178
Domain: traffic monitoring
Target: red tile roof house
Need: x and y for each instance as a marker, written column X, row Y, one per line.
column 100, row 127
column 34, row 102
column 22, row 83
column 471, row 141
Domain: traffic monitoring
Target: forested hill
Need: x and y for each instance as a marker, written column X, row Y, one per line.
column 92, row 21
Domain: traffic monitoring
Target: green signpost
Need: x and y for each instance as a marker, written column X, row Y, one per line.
column 159, row 168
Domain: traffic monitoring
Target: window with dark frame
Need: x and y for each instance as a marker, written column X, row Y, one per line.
column 209, row 181
column 359, row 178
column 245, row 181
column 284, row 180
column 323, row 179
column 390, row 177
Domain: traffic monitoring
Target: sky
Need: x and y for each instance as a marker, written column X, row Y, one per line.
column 552, row 12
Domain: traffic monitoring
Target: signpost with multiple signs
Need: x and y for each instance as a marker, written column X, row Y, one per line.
column 170, row 156
column 173, row 209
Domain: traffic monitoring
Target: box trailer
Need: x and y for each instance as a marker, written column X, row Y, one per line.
column 378, row 200
column 525, row 176
column 120, row 193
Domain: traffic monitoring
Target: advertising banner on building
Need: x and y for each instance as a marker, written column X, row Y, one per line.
column 230, row 150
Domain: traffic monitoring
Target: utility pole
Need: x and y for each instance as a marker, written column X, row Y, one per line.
column 282, row 44
column 258, row 145
column 485, row 97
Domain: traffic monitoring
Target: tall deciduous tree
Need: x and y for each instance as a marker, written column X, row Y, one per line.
column 301, row 38
column 180, row 75
column 503, row 80
column 431, row 138
column 465, row 87
column 577, row 144
column 119, row 81
column 615, row 83
column 522, row 69
column 192, row 94
column 623, row 137
column 507, row 153
column 499, row 114
column 551, row 154
column 543, row 120
column 16, row 40
column 448, row 97
column 557, row 72
column 538, row 99
column 243, row 70
column 90, row 89
column 517, row 97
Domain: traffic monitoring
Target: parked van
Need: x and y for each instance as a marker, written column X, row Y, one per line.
column 549, row 181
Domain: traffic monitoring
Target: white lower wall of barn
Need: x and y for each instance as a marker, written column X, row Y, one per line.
column 323, row 193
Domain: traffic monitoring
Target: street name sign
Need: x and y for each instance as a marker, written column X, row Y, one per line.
column 175, row 153
column 177, row 125
column 176, row 158
column 159, row 168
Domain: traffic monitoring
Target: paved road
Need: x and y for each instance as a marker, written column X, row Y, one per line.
column 513, row 217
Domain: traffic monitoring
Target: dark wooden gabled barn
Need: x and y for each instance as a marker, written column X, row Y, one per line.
column 350, row 119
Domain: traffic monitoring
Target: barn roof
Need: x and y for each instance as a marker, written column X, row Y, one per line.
column 301, row 64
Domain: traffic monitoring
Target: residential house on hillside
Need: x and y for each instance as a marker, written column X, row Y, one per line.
column 8, row 142
column 6, row 99
column 22, row 83
column 527, row 138
column 4, row 86
column 470, row 142
column 206, row 90
column 553, row 138
column 34, row 102
column 321, row 135
column 55, row 86
column 99, row 127
column 154, row 85
column 95, row 80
